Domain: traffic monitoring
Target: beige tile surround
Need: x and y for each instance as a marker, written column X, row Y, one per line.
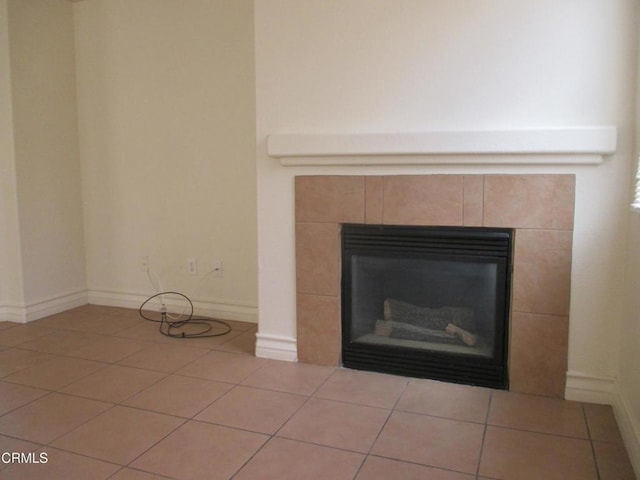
column 539, row 207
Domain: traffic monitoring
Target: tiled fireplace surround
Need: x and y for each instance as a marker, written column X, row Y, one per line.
column 539, row 207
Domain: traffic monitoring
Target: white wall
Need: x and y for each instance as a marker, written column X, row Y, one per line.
column 167, row 141
column 371, row 66
column 41, row 207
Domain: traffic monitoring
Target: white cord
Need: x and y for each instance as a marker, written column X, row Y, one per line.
column 159, row 289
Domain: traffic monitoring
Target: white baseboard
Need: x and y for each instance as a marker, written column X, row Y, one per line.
column 223, row 311
column 629, row 429
column 276, row 347
column 12, row 313
column 587, row 388
column 604, row 390
column 43, row 308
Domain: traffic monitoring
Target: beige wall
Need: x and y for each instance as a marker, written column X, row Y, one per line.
column 11, row 294
column 628, row 401
column 629, row 377
column 42, row 204
column 167, row 135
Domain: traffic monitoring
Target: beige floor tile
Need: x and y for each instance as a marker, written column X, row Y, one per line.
column 243, row 343
column 537, row 414
column 433, row 441
column 61, row 466
column 108, row 349
column 447, row 400
column 114, row 383
column 253, row 409
column 131, row 474
column 55, row 373
column 613, row 462
column 602, row 423
column 178, row 395
column 146, row 332
column 291, row 377
column 533, row 456
column 13, row 395
column 283, row 459
column 119, row 435
column 106, row 324
column 49, row 417
column 364, row 388
column 89, row 322
column 207, row 452
column 336, row 424
column 19, row 334
column 223, row 366
column 15, row 359
column 59, row 342
column 163, row 358
column 376, row 468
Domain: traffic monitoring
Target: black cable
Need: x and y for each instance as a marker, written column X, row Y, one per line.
column 206, row 323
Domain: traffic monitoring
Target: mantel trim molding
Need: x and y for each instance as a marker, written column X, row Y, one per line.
column 571, row 145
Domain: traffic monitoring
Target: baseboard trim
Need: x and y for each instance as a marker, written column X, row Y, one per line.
column 629, row 429
column 11, row 313
column 223, row 311
column 43, row 308
column 276, row 347
column 583, row 387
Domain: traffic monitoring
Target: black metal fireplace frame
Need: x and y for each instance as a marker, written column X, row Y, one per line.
column 480, row 244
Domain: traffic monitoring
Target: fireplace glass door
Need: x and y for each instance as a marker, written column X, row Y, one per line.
column 429, row 302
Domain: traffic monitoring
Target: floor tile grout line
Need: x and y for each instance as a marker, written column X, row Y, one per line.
column 252, row 456
column 382, row 427
column 123, row 468
column 302, row 405
column 591, row 444
column 537, row 432
column 157, row 442
column 46, row 394
column 210, row 404
column 50, row 442
column 391, row 412
column 484, row 433
column 417, row 464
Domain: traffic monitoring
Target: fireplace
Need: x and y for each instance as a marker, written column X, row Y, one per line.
column 428, row 302
column 539, row 208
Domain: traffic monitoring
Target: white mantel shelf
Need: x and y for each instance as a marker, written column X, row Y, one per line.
column 574, row 145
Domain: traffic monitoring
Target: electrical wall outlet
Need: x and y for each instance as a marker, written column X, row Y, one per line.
column 192, row 266
column 144, row 263
column 217, row 269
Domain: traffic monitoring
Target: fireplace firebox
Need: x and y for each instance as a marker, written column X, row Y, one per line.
column 427, row 302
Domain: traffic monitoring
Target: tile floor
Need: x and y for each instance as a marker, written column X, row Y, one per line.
column 105, row 396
